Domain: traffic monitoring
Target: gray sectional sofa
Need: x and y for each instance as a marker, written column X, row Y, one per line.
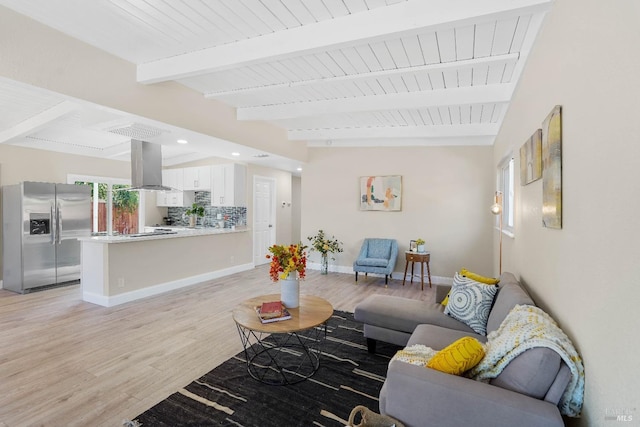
column 526, row 393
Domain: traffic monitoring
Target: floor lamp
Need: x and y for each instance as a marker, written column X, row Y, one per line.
column 496, row 209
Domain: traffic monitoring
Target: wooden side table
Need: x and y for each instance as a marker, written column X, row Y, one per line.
column 422, row 258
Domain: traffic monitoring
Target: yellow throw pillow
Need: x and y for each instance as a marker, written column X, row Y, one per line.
column 479, row 278
column 458, row 357
column 445, row 301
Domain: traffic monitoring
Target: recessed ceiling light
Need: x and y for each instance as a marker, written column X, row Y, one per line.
column 299, row 169
column 235, row 153
column 182, row 141
column 261, row 156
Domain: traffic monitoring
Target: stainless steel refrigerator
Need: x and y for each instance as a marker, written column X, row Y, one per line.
column 41, row 223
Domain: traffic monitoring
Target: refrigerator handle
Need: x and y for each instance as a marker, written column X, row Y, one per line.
column 58, row 224
column 53, row 224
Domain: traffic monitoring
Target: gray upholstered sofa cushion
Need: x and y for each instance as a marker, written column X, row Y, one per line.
column 509, row 295
column 531, row 373
column 404, row 314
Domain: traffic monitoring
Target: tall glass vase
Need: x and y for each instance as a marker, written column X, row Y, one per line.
column 290, row 291
column 324, row 264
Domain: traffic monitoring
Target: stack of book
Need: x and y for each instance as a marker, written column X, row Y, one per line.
column 272, row 311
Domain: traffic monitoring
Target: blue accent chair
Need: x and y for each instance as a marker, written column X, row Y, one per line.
column 377, row 256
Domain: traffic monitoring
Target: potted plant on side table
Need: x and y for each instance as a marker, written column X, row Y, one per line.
column 194, row 212
column 420, row 244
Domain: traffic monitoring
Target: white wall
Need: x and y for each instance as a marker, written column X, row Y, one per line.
column 446, row 196
column 587, row 274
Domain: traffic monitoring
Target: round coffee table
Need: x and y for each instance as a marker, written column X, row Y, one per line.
column 284, row 352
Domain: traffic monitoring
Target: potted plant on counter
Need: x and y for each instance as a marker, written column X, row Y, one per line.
column 194, row 212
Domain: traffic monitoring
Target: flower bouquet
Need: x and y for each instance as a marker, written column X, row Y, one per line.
column 286, row 260
column 324, row 245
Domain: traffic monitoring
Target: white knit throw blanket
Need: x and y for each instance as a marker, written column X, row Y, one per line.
column 526, row 327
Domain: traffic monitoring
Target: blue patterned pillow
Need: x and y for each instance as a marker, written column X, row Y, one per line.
column 470, row 302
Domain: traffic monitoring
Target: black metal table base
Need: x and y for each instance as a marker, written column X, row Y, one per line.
column 282, row 358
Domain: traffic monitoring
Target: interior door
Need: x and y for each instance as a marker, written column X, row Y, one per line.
column 264, row 228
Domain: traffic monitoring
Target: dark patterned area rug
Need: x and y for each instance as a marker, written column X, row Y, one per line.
column 227, row 396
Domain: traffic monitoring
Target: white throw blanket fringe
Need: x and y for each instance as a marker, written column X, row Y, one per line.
column 526, row 327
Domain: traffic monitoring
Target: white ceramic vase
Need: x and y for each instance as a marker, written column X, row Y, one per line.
column 290, row 292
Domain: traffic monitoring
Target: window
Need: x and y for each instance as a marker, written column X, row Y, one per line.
column 506, row 180
column 113, row 212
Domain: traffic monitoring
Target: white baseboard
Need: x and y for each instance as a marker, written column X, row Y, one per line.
column 397, row 275
column 110, row 301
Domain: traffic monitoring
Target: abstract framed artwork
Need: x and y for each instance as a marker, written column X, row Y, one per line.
column 381, row 193
column 531, row 159
column 552, row 169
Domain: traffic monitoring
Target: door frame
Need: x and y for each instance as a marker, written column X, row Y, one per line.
column 272, row 235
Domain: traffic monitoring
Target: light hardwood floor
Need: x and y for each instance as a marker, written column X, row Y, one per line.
column 66, row 362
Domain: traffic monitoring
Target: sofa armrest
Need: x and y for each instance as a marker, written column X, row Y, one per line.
column 420, row 396
column 441, row 292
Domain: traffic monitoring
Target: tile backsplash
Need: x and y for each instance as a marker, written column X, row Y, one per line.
column 232, row 216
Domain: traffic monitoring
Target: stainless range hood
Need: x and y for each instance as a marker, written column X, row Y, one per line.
column 146, row 167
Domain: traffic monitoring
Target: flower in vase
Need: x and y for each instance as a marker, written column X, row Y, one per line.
column 324, row 245
column 286, row 260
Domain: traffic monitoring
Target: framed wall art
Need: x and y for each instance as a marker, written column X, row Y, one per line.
column 552, row 169
column 381, row 193
column 531, row 159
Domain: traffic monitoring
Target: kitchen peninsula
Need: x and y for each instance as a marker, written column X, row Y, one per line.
column 119, row 269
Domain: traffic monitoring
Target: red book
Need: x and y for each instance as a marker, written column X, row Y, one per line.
column 271, row 309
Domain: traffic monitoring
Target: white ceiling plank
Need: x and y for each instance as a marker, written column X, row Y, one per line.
column 355, row 59
column 38, row 121
column 467, row 95
column 465, row 114
column 410, row 82
column 398, row 53
column 487, row 112
column 465, row 76
column 483, row 39
column 437, row 79
column 521, row 32
column 381, row 51
column 356, row 6
column 299, row 10
column 386, row 85
column 336, row 8
column 373, row 25
column 264, row 14
column 480, row 73
column 369, row 58
column 445, row 115
column 342, row 61
column 318, row 10
column 408, row 118
column 394, row 132
column 476, row 113
column 423, row 81
column 413, row 50
column 447, row 45
column 399, row 84
column 503, row 37
column 464, row 42
column 454, row 112
column 494, row 76
column 450, row 79
column 429, row 46
column 248, row 21
column 316, row 63
column 508, row 73
column 330, row 64
column 283, row 14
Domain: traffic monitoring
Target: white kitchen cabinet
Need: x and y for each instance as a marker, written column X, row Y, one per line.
column 174, row 178
column 197, row 178
column 228, row 185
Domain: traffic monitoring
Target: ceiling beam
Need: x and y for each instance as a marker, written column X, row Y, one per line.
column 395, row 132
column 506, row 59
column 398, row 20
column 395, row 101
column 38, row 121
column 404, row 142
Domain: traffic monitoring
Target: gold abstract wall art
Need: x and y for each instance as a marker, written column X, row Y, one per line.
column 552, row 169
column 531, row 159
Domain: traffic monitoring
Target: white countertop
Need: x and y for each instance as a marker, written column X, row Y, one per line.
column 180, row 233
